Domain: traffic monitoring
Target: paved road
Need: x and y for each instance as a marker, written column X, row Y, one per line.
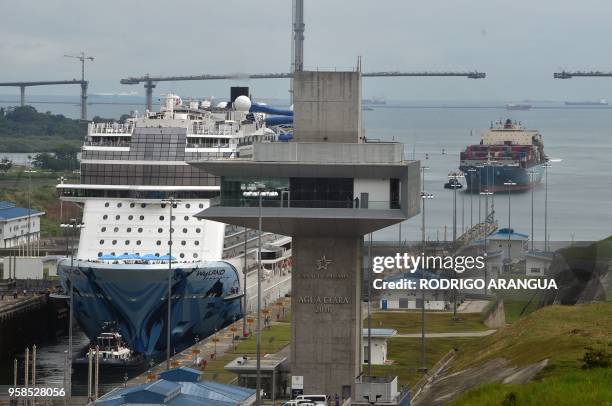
column 449, row 335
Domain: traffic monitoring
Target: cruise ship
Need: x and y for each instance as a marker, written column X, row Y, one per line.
column 136, row 189
column 507, row 153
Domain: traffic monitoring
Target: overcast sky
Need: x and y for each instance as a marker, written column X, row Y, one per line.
column 518, row 43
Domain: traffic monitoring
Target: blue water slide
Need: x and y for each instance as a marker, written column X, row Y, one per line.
column 263, row 108
column 278, row 120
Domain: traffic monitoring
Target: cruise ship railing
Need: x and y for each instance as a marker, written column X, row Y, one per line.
column 110, row 128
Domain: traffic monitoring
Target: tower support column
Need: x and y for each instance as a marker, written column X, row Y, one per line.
column 326, row 313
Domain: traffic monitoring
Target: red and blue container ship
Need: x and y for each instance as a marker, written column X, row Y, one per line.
column 507, row 154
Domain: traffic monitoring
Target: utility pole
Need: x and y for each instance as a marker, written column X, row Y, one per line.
column 172, row 202
column 82, row 57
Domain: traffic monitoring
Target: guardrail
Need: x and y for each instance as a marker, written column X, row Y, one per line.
column 307, row 204
column 432, row 373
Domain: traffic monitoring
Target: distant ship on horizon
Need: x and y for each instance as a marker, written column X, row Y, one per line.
column 601, row 102
column 376, row 100
column 512, row 106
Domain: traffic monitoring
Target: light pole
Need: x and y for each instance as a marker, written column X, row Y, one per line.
column 455, row 185
column 73, row 225
column 423, row 197
column 532, row 175
column 508, row 185
column 259, row 191
column 486, row 194
column 471, row 187
column 172, row 202
column 29, row 172
column 546, row 166
column 61, row 180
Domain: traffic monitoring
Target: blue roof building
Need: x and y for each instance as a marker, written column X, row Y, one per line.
column 180, row 386
column 18, row 225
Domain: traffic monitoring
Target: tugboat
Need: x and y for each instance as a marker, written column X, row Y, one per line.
column 453, row 183
column 113, row 352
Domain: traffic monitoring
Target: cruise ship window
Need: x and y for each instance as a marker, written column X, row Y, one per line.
column 143, row 206
column 119, row 204
column 117, row 217
column 112, row 253
column 186, row 218
column 173, row 218
column 106, row 204
column 101, row 242
column 114, row 242
column 103, row 229
column 132, row 205
column 127, row 242
column 158, row 242
column 184, row 230
column 201, row 206
column 104, row 217
column 129, row 230
column 182, row 255
column 99, row 254
column 187, row 206
column 161, row 218
column 160, row 230
column 163, row 205
column 138, row 242
column 116, row 229
column 130, row 217
column 196, row 242
column 183, row 242
column 142, row 217
column 198, row 230
column 195, row 255
column 140, row 230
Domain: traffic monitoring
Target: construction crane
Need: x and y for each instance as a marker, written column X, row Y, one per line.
column 82, row 57
column 584, row 74
column 23, row 85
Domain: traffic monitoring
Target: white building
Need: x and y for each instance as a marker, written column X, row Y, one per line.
column 18, row 225
column 510, row 244
column 411, row 299
column 537, row 263
column 29, row 267
column 378, row 337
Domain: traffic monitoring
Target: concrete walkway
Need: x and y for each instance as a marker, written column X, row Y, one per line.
column 449, row 335
column 208, row 347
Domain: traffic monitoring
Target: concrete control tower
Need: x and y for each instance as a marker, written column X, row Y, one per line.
column 332, row 188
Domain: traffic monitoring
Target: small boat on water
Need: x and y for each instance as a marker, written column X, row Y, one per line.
column 453, row 183
column 113, row 353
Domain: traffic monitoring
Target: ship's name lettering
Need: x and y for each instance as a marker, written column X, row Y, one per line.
column 210, row 272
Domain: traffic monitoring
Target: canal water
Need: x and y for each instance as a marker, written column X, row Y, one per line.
column 50, row 367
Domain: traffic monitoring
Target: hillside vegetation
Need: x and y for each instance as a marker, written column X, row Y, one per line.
column 23, row 129
column 562, row 334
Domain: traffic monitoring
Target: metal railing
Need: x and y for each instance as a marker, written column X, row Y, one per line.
column 308, row 204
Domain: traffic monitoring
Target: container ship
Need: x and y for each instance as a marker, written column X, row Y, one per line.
column 507, row 152
column 136, row 190
column 601, row 102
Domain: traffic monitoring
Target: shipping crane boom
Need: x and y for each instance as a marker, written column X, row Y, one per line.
column 584, row 74
column 149, row 81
